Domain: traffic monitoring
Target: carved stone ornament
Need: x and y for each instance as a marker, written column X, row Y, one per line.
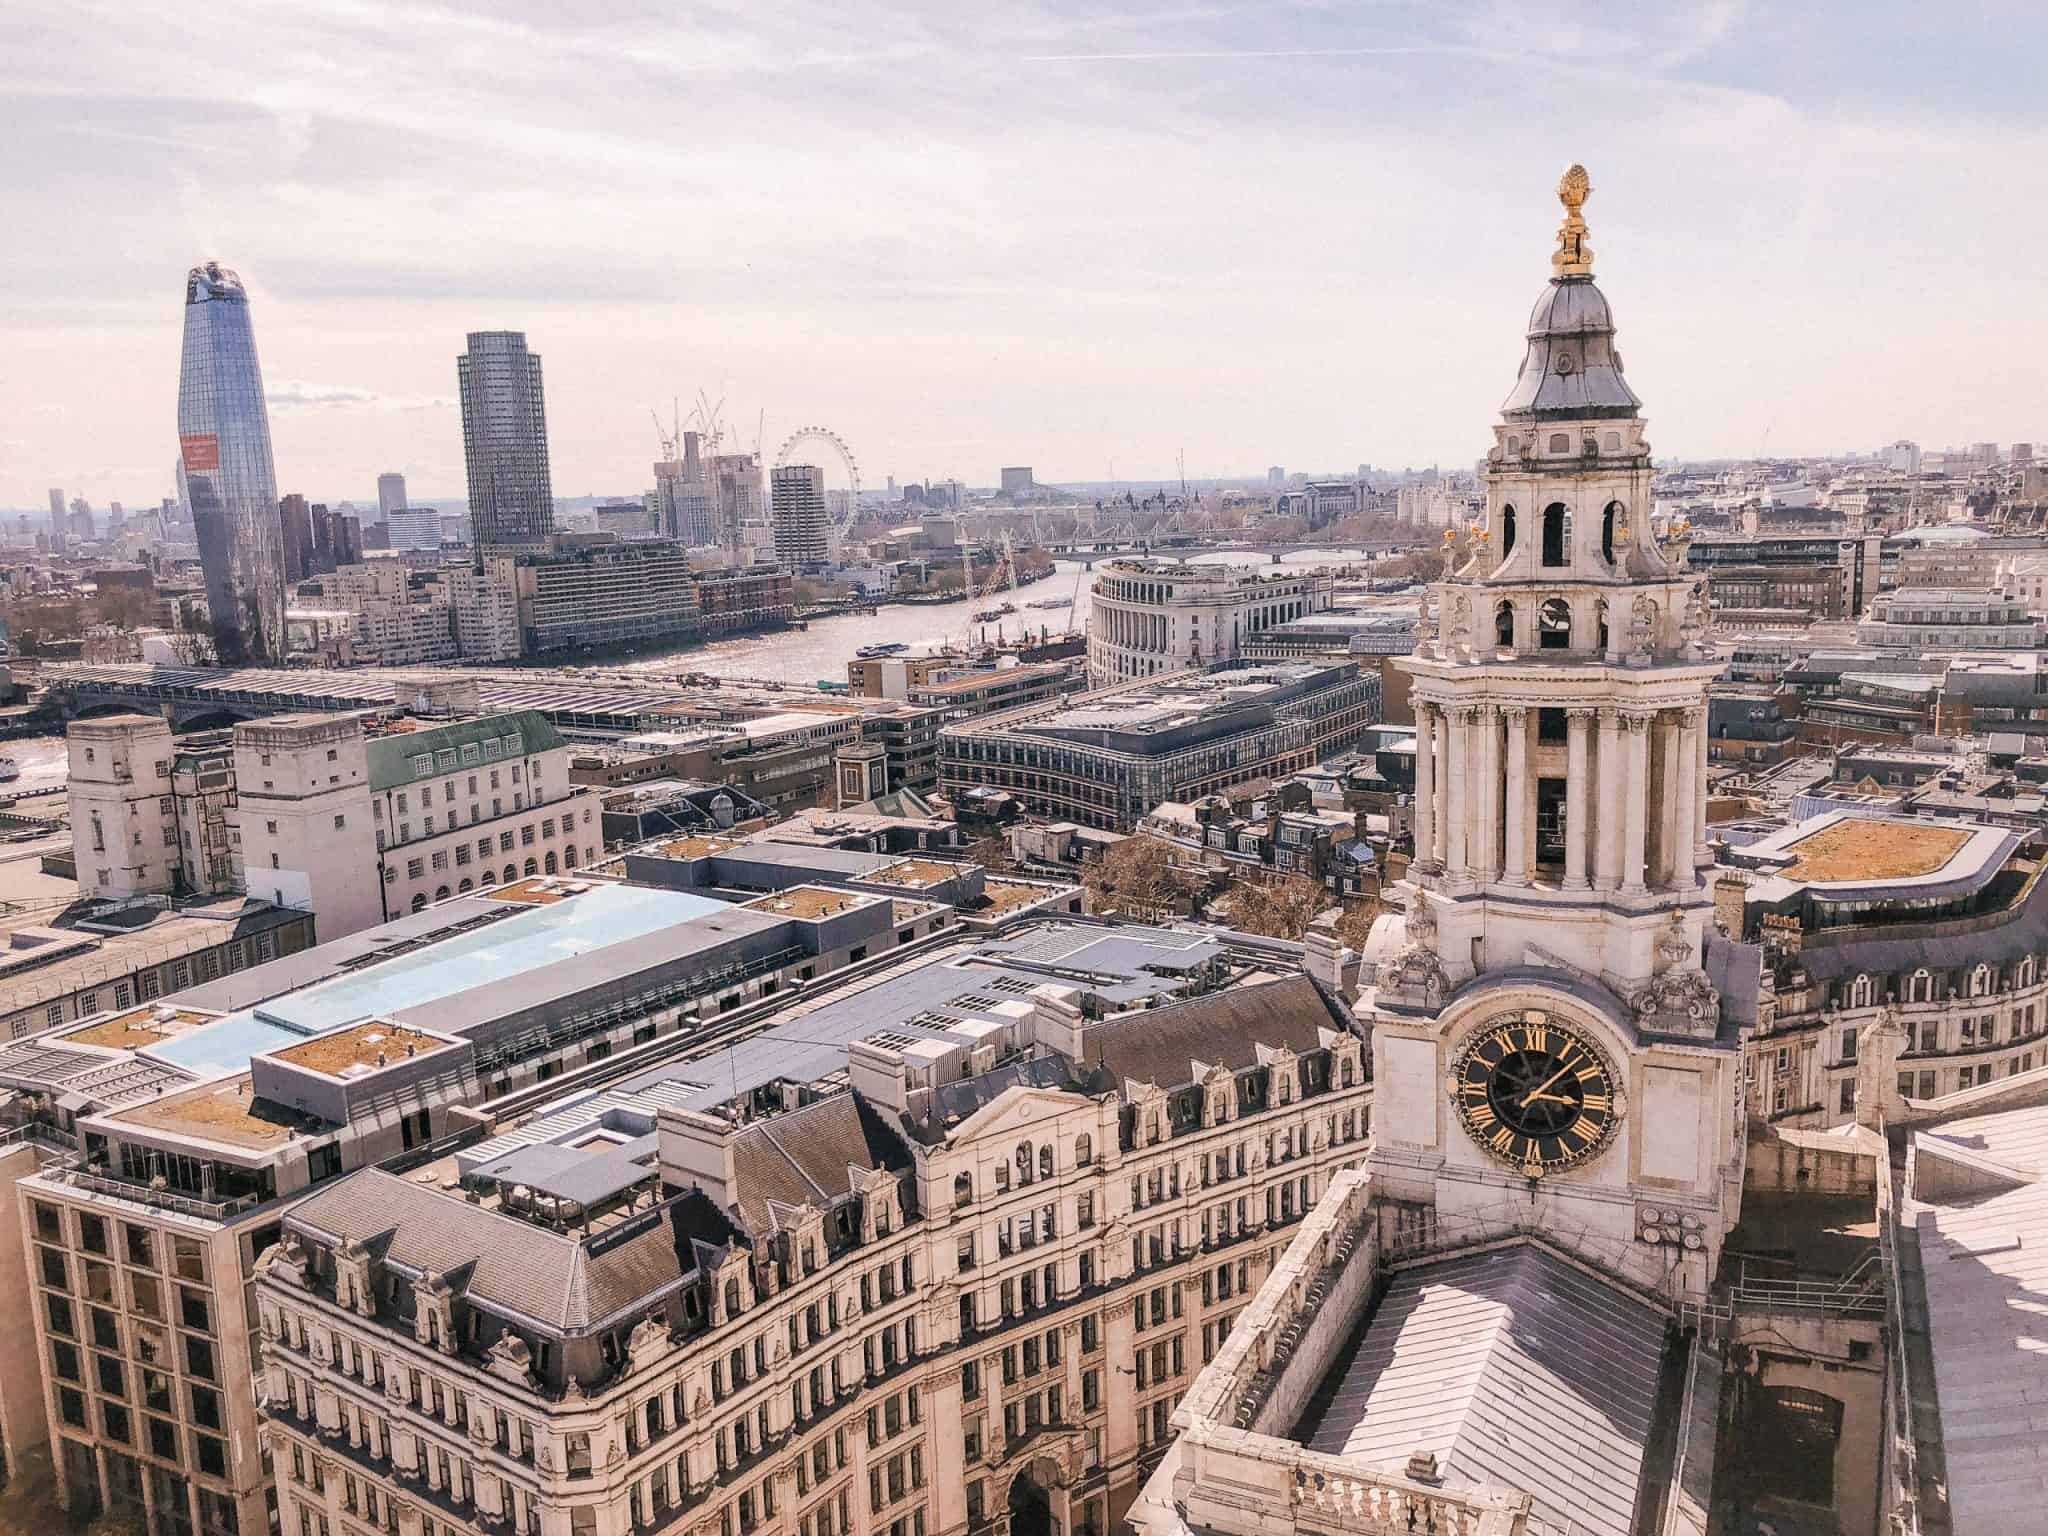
column 1425, row 623
column 1642, row 623
column 1421, row 924
column 1418, row 973
column 1674, row 945
column 1682, row 1000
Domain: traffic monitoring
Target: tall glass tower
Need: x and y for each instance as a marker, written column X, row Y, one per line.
column 505, row 441
column 224, row 446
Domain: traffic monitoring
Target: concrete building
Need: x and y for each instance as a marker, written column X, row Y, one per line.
column 802, row 523
column 1154, row 616
column 296, row 530
column 391, row 495
column 605, row 594
column 414, row 527
column 485, row 607
column 123, row 818
column 505, row 444
column 1016, row 479
column 359, row 828
column 1922, row 619
column 62, row 966
column 1106, row 758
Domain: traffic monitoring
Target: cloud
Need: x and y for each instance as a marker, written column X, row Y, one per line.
column 299, row 395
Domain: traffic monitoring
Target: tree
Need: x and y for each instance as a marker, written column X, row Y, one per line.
column 1138, row 875
column 1355, row 924
column 1279, row 908
column 991, row 853
column 194, row 648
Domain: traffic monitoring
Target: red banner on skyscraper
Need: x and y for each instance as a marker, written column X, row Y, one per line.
column 201, row 450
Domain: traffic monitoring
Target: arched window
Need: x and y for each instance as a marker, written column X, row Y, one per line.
column 1507, row 530
column 1514, row 444
column 963, row 1188
column 1980, row 981
column 1610, row 524
column 1554, row 625
column 1859, row 992
column 1920, row 987
column 551, row 861
column 732, row 1309
column 464, row 884
column 1560, row 442
column 1504, row 624
column 569, row 857
column 487, row 879
column 511, row 874
column 1045, row 1161
column 1557, row 533
column 440, row 893
column 532, row 867
column 419, row 902
column 1023, row 1162
column 1084, row 1151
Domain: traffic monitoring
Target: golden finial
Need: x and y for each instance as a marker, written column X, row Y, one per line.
column 1573, row 257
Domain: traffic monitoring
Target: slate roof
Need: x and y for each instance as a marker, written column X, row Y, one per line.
column 509, row 1266
column 1508, row 1366
column 806, row 1156
column 1161, row 1045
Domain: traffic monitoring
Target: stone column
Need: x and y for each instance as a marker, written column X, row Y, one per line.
column 1685, row 815
column 1457, row 783
column 1635, row 810
column 1577, row 832
column 1701, row 853
column 1516, row 788
column 1425, row 785
column 1674, row 818
column 1613, row 804
column 1486, row 795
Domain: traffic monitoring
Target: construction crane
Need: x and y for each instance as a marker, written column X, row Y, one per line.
column 705, row 414
column 671, row 436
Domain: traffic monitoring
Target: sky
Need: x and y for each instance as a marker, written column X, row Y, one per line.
column 1092, row 238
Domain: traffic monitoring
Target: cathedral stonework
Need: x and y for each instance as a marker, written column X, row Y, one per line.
column 1550, row 1051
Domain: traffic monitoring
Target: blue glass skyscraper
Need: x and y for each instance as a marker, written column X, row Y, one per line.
column 224, row 445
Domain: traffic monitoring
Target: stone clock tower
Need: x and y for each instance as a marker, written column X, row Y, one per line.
column 1550, row 1046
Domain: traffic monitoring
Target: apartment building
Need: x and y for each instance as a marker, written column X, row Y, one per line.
column 947, row 1272
column 605, row 594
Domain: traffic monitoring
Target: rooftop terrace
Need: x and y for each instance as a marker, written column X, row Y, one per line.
column 1867, row 850
column 360, row 1048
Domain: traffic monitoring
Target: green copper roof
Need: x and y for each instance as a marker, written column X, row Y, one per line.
column 459, row 745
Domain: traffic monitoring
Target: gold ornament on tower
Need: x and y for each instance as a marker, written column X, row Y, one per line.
column 1573, row 257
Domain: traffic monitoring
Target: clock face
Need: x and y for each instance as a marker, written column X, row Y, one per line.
column 1534, row 1092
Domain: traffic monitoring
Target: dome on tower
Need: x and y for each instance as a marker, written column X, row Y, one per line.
column 1571, row 371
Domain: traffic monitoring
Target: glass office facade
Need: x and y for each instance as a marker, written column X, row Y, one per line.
column 231, row 485
column 505, row 441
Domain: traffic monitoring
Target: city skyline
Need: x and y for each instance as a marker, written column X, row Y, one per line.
column 955, row 287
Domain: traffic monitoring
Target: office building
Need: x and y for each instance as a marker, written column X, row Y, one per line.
column 57, row 522
column 358, row 828
column 999, row 1202
column 295, row 530
column 390, row 495
column 414, row 527
column 505, row 444
column 1922, row 619
column 224, row 441
column 150, row 814
column 1106, row 758
column 1153, row 616
column 605, row 594
column 802, row 525
column 1017, row 479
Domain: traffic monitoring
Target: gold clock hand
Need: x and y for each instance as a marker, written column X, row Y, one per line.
column 1530, row 1097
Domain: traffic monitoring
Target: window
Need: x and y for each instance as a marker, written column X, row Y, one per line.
column 1557, row 524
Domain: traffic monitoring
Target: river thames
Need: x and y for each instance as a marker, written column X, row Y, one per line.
column 821, row 652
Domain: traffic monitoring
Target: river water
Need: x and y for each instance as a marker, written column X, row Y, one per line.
column 821, row 652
